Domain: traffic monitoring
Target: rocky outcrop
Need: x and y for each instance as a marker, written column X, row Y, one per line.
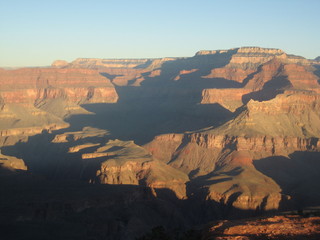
column 252, row 57
column 220, row 165
column 91, row 156
column 230, row 73
column 292, row 114
column 11, row 164
column 246, row 58
column 277, row 74
column 18, row 119
column 275, row 227
column 60, row 64
column 133, row 165
column 263, row 83
column 260, row 127
column 123, row 72
column 77, row 85
column 220, row 159
column 230, row 98
column 208, row 150
column 37, row 99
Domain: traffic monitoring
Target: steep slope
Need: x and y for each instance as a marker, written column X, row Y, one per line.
column 279, row 126
column 33, row 100
column 131, row 164
column 221, row 159
column 38, row 84
column 9, row 164
column 265, row 81
column 121, row 72
column 90, row 155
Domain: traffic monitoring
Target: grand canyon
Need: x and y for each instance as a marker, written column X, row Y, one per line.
column 168, row 148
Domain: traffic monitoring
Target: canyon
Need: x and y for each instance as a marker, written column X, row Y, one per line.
column 176, row 142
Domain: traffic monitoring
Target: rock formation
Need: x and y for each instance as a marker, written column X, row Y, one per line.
column 37, row 99
column 275, row 72
column 133, row 165
column 235, row 133
column 224, row 155
column 276, row 227
column 90, row 155
column 59, row 64
column 38, row 84
column 11, row 164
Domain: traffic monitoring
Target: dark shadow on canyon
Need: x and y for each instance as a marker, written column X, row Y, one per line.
column 317, row 71
column 200, row 64
column 142, row 122
column 270, row 90
column 36, row 207
column 298, row 176
column 54, row 194
column 162, row 104
column 143, row 112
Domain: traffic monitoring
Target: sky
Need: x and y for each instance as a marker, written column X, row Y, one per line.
column 37, row 32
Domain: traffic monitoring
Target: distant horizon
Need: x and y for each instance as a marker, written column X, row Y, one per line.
column 36, row 33
column 138, row 58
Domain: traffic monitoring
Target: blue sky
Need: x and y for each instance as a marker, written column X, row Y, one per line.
column 37, row 32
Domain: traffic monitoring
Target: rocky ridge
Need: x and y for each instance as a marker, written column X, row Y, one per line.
column 225, row 155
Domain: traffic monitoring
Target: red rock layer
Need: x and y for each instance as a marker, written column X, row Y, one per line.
column 234, row 74
column 76, row 85
column 278, row 227
column 258, row 146
column 274, row 75
column 230, row 98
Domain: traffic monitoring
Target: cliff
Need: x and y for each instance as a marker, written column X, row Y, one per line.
column 75, row 85
column 222, row 159
column 132, row 164
column 235, row 65
column 37, row 99
column 263, row 83
column 90, row 155
column 230, row 98
column 9, row 164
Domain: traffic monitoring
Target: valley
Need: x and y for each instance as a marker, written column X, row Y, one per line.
column 118, row 147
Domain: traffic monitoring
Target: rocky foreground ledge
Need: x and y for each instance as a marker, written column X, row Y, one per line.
column 277, row 227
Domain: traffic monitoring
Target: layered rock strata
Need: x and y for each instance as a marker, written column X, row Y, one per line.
column 221, row 159
column 37, row 99
column 90, row 155
column 261, row 82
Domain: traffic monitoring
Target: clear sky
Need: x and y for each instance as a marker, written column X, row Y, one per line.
column 37, row 32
